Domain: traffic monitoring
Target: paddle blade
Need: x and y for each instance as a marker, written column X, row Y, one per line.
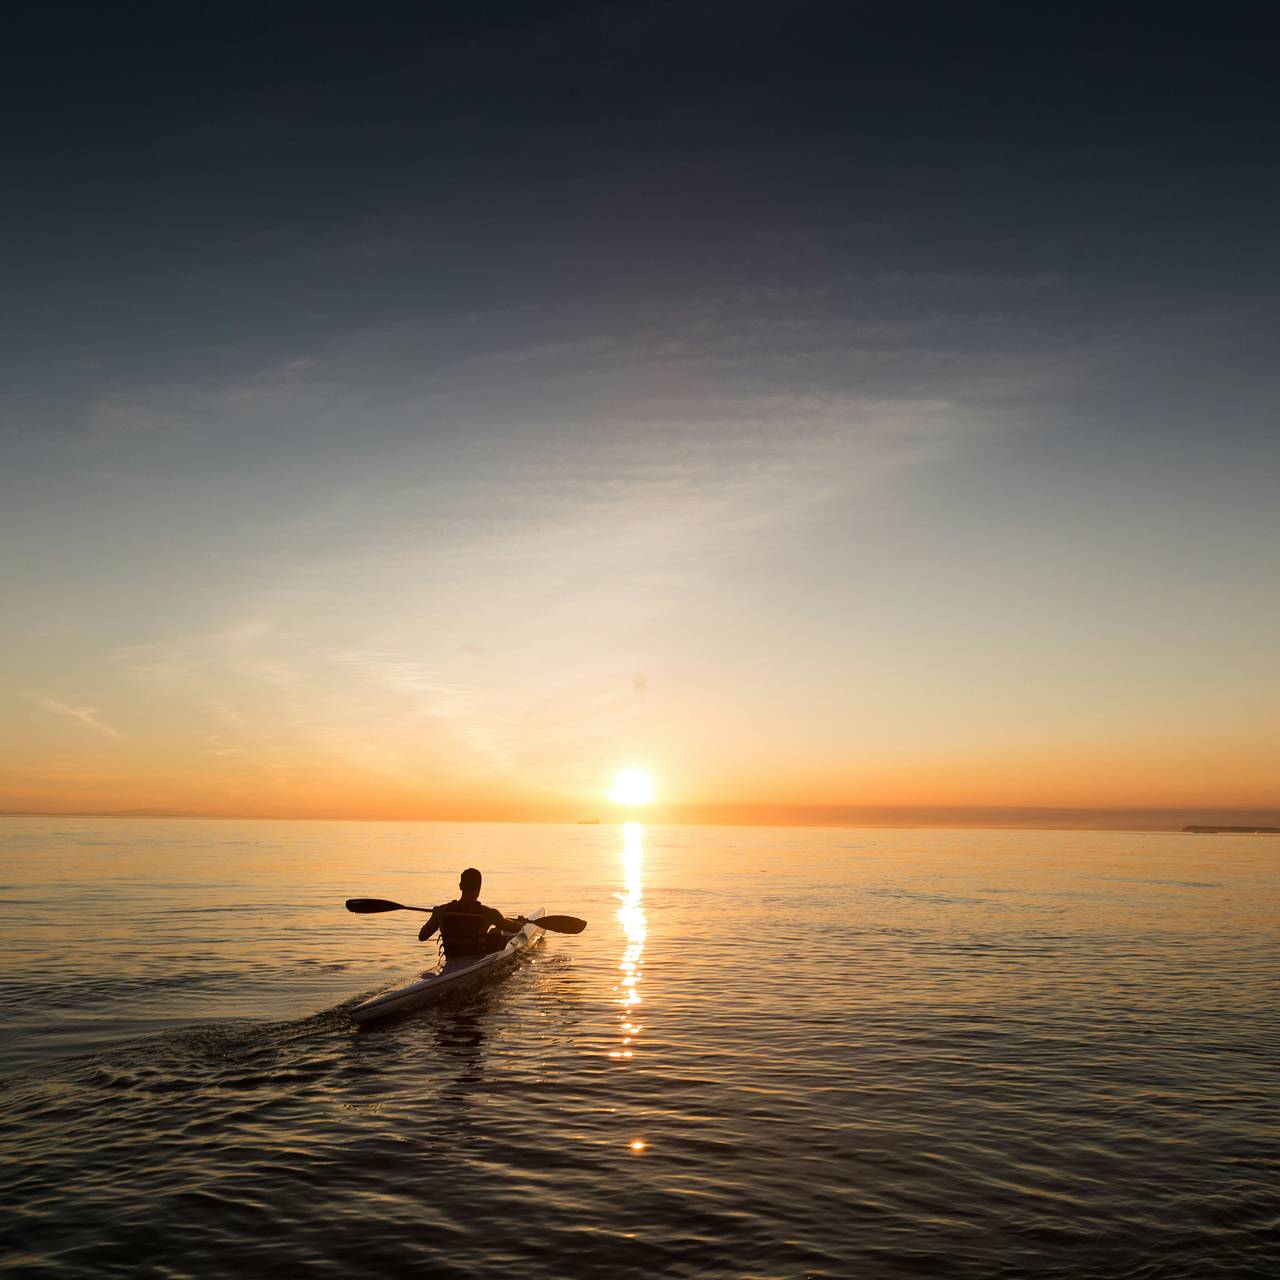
column 560, row 924
column 367, row 906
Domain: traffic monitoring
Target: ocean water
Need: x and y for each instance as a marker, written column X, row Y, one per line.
column 773, row 1053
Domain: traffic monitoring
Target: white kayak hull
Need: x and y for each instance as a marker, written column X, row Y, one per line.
column 452, row 977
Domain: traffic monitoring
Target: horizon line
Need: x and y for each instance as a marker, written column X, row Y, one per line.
column 977, row 817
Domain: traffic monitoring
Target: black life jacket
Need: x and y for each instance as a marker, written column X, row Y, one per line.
column 462, row 926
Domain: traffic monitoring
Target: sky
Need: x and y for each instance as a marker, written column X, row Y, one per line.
column 428, row 410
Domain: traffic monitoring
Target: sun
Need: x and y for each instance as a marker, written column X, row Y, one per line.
column 632, row 786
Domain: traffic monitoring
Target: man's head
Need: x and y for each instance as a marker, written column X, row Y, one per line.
column 469, row 883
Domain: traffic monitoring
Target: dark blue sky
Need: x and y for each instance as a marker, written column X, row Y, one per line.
column 268, row 176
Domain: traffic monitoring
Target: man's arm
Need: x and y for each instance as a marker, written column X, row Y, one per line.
column 507, row 926
column 433, row 923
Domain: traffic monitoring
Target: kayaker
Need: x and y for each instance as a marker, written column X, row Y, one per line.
column 467, row 926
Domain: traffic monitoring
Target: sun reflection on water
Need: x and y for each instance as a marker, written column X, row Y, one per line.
column 634, row 925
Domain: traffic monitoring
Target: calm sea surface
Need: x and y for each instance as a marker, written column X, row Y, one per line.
column 773, row 1053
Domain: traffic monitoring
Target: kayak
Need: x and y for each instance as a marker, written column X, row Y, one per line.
column 453, row 976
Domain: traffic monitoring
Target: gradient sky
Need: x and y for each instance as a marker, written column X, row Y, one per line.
column 426, row 410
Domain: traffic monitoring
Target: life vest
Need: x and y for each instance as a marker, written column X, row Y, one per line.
column 462, row 926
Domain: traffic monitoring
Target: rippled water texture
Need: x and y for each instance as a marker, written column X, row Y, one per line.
column 773, row 1053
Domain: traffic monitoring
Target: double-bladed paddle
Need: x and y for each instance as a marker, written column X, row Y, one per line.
column 553, row 924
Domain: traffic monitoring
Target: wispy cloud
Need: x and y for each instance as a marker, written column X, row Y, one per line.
column 454, row 702
column 153, row 661
column 120, row 417
column 87, row 716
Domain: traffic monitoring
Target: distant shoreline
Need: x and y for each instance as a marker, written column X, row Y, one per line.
column 1234, row 831
column 1256, row 822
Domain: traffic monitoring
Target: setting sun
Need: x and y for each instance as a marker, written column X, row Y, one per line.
column 632, row 786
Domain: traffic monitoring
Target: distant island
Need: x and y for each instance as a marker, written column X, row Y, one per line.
column 1235, row 831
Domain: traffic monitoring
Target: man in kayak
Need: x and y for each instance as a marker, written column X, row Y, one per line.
column 467, row 926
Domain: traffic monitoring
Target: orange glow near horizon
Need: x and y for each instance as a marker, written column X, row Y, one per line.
column 267, row 763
